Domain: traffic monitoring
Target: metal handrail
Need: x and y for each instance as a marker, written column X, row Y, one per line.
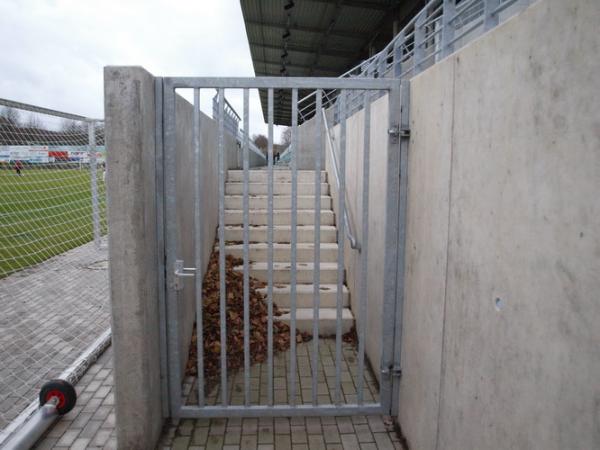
column 445, row 21
column 348, row 224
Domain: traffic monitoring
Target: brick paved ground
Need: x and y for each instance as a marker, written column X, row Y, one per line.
column 311, row 433
column 91, row 424
column 298, row 433
column 325, row 379
column 49, row 314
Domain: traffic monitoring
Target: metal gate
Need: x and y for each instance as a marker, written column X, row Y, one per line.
column 350, row 95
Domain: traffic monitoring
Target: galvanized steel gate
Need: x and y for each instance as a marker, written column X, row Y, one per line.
column 362, row 91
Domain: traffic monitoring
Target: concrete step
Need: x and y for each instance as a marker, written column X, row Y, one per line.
column 327, row 320
column 281, row 233
column 282, row 252
column 304, row 295
column 282, row 272
column 278, row 188
column 279, row 202
column 280, row 217
column 283, row 176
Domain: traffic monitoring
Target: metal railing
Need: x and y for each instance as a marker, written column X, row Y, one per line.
column 438, row 30
column 347, row 222
column 231, row 124
column 231, row 117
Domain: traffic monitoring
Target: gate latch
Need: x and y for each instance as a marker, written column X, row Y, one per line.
column 398, row 132
column 182, row 272
column 394, row 371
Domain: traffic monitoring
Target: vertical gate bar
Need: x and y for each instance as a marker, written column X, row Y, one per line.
column 94, row 182
column 317, row 244
column 419, row 37
column 246, row 261
column 222, row 283
column 391, row 252
column 448, row 12
column 341, row 242
column 270, row 255
column 398, row 54
column 160, row 245
column 402, row 205
column 381, row 66
column 490, row 20
column 362, row 319
column 198, row 245
column 293, row 269
column 172, row 234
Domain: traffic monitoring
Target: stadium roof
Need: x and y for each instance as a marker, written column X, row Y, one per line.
column 317, row 37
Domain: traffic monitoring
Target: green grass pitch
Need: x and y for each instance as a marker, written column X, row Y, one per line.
column 43, row 213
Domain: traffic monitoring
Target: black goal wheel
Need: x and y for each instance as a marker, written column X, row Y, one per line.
column 63, row 391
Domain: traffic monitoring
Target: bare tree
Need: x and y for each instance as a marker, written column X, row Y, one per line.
column 72, row 126
column 261, row 141
column 11, row 115
column 286, row 137
column 33, row 121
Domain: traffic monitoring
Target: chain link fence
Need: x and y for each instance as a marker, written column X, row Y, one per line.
column 53, row 256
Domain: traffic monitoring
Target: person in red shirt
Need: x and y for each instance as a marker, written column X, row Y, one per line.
column 18, row 167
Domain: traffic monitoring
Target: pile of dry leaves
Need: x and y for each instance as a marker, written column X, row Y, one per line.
column 235, row 323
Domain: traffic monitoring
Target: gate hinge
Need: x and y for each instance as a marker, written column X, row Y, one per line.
column 396, row 131
column 394, row 371
column 182, row 272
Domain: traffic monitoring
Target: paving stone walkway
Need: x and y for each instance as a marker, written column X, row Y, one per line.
column 297, row 433
column 91, row 425
column 326, row 379
column 49, row 314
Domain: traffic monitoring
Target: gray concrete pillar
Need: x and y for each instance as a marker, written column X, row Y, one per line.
column 131, row 171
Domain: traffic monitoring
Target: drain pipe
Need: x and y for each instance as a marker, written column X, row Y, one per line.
column 57, row 397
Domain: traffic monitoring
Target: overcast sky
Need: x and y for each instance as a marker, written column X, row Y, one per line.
column 54, row 51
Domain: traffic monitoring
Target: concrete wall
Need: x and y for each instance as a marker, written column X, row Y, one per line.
column 236, row 160
column 307, row 143
column 504, row 175
column 130, row 114
column 184, row 112
column 131, row 182
column 377, row 195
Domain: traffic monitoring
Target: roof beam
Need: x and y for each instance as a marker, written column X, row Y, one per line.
column 406, row 11
column 302, row 49
column 295, row 27
column 327, row 32
column 362, row 4
column 299, row 66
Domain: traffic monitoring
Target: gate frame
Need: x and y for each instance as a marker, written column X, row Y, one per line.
column 165, row 89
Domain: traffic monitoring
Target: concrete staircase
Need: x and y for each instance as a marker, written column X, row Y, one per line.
column 258, row 251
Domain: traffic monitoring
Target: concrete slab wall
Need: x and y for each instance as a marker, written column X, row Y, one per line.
column 500, row 340
column 131, row 181
column 377, row 195
column 431, row 112
column 130, row 131
column 307, row 143
column 209, row 172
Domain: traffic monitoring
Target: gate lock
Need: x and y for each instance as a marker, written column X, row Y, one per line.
column 396, row 132
column 393, row 371
column 182, row 272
